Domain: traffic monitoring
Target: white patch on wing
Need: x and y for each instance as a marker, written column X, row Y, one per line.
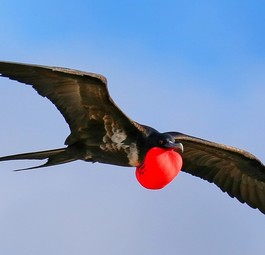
column 114, row 138
column 118, row 136
column 133, row 155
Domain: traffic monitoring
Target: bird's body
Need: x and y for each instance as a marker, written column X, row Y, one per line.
column 101, row 132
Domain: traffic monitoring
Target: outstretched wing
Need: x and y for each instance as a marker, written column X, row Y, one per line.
column 82, row 98
column 234, row 171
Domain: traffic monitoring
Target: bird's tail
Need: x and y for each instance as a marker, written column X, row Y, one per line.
column 54, row 157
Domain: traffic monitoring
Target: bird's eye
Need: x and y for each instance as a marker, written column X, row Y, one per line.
column 161, row 142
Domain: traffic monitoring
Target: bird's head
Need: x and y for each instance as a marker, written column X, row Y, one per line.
column 165, row 141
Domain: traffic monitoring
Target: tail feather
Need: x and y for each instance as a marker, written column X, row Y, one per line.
column 54, row 157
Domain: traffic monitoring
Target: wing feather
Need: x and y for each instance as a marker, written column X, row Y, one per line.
column 234, row 171
column 81, row 97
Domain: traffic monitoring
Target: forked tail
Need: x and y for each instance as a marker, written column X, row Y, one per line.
column 54, row 157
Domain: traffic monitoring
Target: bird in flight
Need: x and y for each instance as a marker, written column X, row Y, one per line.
column 101, row 132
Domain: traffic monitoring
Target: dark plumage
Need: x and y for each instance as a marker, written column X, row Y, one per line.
column 101, row 132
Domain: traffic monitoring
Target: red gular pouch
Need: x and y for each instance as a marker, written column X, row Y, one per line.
column 159, row 168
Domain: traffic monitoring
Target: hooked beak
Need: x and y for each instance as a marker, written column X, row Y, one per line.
column 178, row 147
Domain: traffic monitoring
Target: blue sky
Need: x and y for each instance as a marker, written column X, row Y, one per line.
column 195, row 67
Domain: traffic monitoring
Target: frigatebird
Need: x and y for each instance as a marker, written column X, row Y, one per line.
column 101, row 132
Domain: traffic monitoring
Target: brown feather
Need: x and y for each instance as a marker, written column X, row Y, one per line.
column 235, row 171
column 84, row 101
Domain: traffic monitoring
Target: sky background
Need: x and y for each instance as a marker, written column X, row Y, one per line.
column 191, row 66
